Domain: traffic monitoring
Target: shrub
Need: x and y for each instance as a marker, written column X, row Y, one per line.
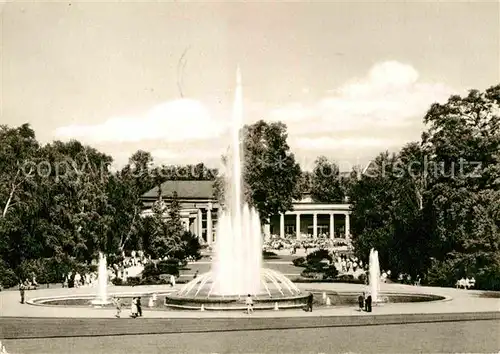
column 150, row 270
column 299, row 262
column 133, row 281
column 169, row 266
column 363, row 278
column 348, row 278
column 8, row 277
column 153, row 281
column 488, row 278
column 269, row 254
column 318, row 256
column 117, row 281
column 442, row 273
column 115, row 259
column 330, row 272
column 311, row 273
column 49, row 270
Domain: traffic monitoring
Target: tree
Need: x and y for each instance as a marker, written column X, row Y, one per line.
column 386, row 213
column 271, row 174
column 326, row 182
column 305, row 182
column 17, row 152
column 166, row 234
column 463, row 140
column 125, row 189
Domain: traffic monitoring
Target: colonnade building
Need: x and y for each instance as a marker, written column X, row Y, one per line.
column 199, row 211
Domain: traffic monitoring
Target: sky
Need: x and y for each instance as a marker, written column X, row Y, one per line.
column 349, row 80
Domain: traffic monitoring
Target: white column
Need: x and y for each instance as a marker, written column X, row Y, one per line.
column 185, row 223
column 347, row 226
column 209, row 225
column 315, row 225
column 332, row 223
column 267, row 232
column 199, row 227
column 297, row 225
column 282, row 225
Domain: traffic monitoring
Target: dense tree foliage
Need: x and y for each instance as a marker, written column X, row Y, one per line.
column 61, row 204
column 326, row 182
column 433, row 208
column 271, row 175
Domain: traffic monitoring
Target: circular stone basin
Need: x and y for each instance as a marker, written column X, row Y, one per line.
column 263, row 302
column 168, row 301
column 351, row 298
column 217, row 303
column 86, row 300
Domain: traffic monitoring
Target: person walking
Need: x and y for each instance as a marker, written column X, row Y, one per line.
column 249, row 303
column 133, row 308
column 310, row 299
column 118, row 306
column 139, row 307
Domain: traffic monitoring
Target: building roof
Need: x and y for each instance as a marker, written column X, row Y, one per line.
column 184, row 189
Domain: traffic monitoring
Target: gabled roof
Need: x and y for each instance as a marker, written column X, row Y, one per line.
column 184, row 189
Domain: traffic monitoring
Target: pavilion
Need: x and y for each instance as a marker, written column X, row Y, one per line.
column 199, row 210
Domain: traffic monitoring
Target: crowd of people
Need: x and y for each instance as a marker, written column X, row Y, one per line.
column 307, row 242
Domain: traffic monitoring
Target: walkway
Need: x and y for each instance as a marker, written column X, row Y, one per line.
column 457, row 301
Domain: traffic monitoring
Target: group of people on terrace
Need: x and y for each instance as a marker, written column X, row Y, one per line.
column 307, row 243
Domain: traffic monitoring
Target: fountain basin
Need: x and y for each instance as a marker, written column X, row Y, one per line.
column 224, row 303
column 168, row 301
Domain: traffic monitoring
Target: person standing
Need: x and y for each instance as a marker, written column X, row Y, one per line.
column 22, row 289
column 368, row 303
column 172, row 281
column 361, row 301
column 310, row 299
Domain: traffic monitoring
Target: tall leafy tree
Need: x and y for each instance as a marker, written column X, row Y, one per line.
column 271, row 174
column 167, row 231
column 326, row 182
column 125, row 189
column 463, row 140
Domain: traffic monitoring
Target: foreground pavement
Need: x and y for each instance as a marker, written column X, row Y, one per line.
column 449, row 337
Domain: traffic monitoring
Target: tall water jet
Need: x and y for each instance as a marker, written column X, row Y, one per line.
column 102, row 282
column 236, row 270
column 237, row 266
column 374, row 273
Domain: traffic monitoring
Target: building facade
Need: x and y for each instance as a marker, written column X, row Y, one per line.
column 199, row 212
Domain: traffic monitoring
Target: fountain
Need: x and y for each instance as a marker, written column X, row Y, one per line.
column 237, row 267
column 374, row 273
column 102, row 278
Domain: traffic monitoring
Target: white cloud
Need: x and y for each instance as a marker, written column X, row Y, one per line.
column 326, row 143
column 174, row 121
column 382, row 110
column 390, row 96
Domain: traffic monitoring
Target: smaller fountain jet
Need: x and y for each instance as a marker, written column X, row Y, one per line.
column 102, row 278
column 374, row 275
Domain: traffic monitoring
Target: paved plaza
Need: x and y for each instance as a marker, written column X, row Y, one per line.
column 463, row 322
